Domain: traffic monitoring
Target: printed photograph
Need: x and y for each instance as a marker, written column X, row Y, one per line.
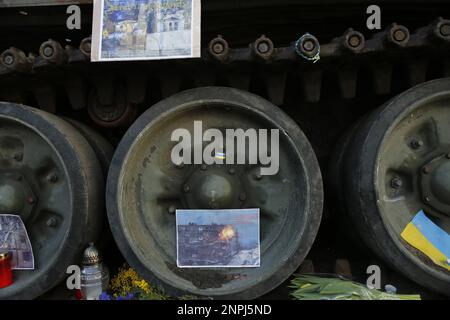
column 14, row 239
column 218, row 238
column 146, row 29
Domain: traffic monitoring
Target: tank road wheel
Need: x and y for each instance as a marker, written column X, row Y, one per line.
column 51, row 177
column 397, row 164
column 145, row 188
column 102, row 148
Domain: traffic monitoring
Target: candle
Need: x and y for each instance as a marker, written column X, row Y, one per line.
column 5, row 269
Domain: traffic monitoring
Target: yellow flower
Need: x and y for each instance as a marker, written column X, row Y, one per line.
column 143, row 285
column 128, row 281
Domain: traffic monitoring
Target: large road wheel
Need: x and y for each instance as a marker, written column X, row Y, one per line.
column 145, row 188
column 396, row 164
column 51, row 177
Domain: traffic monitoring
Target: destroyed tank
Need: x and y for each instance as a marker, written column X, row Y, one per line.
column 364, row 141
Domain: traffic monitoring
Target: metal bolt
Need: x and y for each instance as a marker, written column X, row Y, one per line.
column 203, row 167
column 18, row 156
column 48, row 51
column 242, row 196
column 218, row 48
column 172, row 209
column 8, row 59
column 427, row 199
column 426, row 170
column 396, row 182
column 354, row 41
column 399, row 35
column 231, row 171
column 52, row 178
column 51, row 222
column 263, row 47
column 186, row 188
column 258, row 176
column 308, row 45
column 31, row 200
column 416, row 144
column 445, row 30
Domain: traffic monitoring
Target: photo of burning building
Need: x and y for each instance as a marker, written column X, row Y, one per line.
column 218, row 238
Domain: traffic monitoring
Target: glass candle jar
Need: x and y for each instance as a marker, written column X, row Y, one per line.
column 6, row 278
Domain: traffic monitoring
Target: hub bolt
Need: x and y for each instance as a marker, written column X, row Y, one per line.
column 51, row 222
column 31, row 200
column 186, row 188
column 427, row 199
column 203, row 167
column 52, row 178
column 258, row 176
column 426, row 170
column 242, row 196
column 416, row 144
column 396, row 182
column 231, row 171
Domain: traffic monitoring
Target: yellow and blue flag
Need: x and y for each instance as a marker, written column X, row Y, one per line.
column 424, row 235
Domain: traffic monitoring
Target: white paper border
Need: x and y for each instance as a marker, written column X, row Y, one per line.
column 97, row 27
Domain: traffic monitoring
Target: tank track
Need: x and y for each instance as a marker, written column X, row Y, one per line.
column 344, row 57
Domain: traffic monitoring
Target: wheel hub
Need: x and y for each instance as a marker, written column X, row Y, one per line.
column 435, row 182
column 16, row 195
column 211, row 187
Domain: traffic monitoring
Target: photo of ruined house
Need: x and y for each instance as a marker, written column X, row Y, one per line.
column 146, row 29
column 218, row 238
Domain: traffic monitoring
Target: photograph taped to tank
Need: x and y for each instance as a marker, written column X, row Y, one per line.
column 218, row 238
column 14, row 239
column 146, row 29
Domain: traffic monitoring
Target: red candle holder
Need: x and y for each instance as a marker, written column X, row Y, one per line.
column 6, row 278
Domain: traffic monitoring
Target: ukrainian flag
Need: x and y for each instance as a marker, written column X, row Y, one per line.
column 428, row 238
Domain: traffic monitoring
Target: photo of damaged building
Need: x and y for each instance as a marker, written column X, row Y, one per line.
column 213, row 244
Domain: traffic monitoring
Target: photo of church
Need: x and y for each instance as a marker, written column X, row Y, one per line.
column 146, row 29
